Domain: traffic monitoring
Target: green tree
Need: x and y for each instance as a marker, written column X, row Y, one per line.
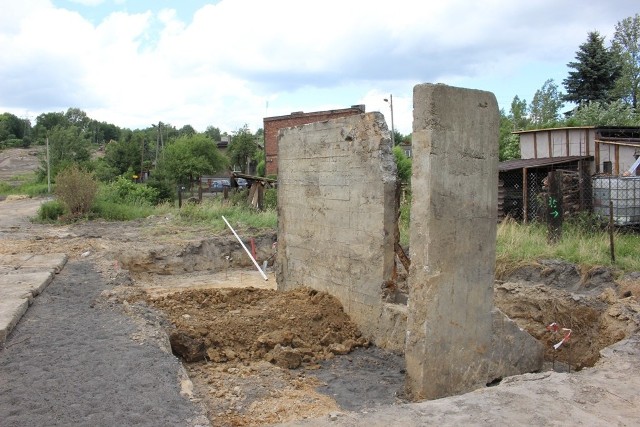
column 66, row 147
column 186, row 130
column 617, row 113
column 242, row 148
column 403, row 165
column 213, row 133
column 596, row 70
column 626, row 44
column 544, row 110
column 123, row 155
column 78, row 118
column 518, row 114
column 12, row 127
column 45, row 123
column 108, row 132
column 189, row 157
column 509, row 145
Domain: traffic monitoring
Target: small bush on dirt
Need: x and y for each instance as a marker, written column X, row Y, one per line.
column 50, row 211
column 76, row 190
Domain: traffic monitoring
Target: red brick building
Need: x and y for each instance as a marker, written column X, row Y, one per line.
column 273, row 124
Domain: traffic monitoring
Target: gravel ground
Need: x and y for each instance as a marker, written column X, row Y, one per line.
column 72, row 361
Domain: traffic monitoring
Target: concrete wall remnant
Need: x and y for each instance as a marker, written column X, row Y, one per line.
column 336, row 212
column 453, row 239
column 337, row 225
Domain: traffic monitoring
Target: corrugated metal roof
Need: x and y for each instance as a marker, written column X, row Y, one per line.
column 601, row 129
column 518, row 132
column 510, row 165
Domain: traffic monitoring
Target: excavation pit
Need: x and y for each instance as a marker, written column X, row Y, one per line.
column 596, row 314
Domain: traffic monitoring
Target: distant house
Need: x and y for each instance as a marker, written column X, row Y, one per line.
column 272, row 126
column 406, row 148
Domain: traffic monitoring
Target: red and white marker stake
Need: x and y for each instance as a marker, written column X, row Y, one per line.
column 554, row 327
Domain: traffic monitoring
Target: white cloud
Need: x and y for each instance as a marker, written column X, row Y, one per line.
column 87, row 2
column 220, row 67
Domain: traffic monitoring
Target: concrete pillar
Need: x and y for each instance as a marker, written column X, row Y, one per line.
column 453, row 235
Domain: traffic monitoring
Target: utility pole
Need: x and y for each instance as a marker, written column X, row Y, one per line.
column 48, row 169
column 141, row 161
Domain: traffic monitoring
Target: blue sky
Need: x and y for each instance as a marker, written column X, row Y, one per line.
column 228, row 63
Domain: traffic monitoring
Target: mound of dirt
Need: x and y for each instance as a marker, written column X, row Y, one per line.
column 301, row 326
column 563, row 275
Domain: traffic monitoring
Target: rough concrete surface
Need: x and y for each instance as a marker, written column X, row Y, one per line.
column 73, row 361
column 22, row 277
column 606, row 395
column 453, row 239
column 336, row 213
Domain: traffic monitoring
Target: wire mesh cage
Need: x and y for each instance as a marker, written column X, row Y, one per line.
column 523, row 193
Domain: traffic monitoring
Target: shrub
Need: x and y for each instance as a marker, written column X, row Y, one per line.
column 76, row 190
column 13, row 142
column 166, row 189
column 123, row 190
column 50, row 211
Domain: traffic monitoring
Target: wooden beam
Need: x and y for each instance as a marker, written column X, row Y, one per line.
column 586, row 141
column 616, row 167
column 525, row 199
column 535, row 145
column 549, row 144
column 567, row 142
column 597, row 155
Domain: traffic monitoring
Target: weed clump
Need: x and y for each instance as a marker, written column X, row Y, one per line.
column 76, row 189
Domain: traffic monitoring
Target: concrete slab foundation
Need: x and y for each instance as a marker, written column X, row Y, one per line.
column 22, row 277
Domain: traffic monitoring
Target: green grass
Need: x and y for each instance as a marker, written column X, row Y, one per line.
column 112, row 211
column 210, row 213
column 583, row 243
column 24, row 184
column 519, row 244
